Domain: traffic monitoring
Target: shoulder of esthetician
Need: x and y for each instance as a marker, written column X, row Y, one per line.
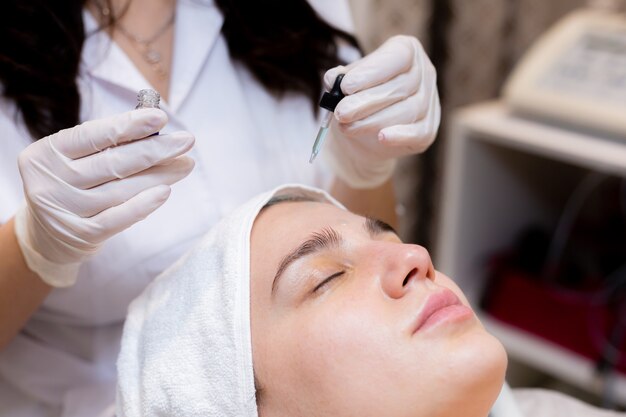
column 91, row 214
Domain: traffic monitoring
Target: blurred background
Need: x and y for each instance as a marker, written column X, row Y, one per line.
column 522, row 199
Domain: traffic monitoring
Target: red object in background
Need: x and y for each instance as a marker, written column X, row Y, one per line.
column 571, row 319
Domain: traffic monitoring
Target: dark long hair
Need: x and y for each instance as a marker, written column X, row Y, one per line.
column 285, row 44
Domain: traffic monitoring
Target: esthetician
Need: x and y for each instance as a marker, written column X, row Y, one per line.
column 87, row 215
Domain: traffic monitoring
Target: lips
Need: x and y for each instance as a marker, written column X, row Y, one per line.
column 441, row 300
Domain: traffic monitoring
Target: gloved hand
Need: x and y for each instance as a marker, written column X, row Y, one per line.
column 391, row 109
column 85, row 184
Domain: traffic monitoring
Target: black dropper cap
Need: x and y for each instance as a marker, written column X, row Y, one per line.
column 330, row 99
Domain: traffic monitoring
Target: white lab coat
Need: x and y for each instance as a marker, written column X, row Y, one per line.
column 247, row 141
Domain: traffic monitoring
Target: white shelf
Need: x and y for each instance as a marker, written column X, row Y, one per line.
column 498, row 125
column 503, row 173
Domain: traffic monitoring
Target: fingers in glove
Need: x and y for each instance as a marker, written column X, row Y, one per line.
column 95, row 135
column 403, row 112
column 128, row 159
column 367, row 102
column 417, row 136
column 115, row 219
column 116, row 192
column 394, row 57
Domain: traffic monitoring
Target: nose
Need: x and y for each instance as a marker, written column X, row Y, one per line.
column 404, row 266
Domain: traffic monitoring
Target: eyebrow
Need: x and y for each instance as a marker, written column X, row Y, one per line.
column 377, row 227
column 325, row 239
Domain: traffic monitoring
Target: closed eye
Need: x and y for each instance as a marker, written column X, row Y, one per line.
column 327, row 280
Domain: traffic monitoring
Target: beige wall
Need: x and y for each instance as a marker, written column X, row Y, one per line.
column 377, row 20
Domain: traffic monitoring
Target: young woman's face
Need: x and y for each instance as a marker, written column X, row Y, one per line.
column 349, row 321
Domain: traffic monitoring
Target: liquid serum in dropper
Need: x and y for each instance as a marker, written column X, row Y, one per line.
column 328, row 102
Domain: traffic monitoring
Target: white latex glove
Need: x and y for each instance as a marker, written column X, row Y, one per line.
column 85, row 184
column 391, row 109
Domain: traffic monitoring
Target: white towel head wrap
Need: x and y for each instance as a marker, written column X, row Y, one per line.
column 186, row 349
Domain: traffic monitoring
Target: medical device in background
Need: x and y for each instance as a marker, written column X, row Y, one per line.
column 575, row 74
column 563, row 286
column 329, row 102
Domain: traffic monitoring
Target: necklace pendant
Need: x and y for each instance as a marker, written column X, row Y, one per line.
column 153, row 56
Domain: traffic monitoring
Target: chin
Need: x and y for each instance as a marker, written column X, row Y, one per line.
column 467, row 376
column 485, row 362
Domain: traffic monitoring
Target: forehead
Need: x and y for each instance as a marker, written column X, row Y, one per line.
column 298, row 219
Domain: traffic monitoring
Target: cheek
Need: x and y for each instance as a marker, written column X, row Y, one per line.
column 357, row 354
column 353, row 359
column 332, row 355
column 335, row 344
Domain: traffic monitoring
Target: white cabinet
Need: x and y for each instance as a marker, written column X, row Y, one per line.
column 502, row 173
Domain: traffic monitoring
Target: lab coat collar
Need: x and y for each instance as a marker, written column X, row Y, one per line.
column 199, row 29
column 105, row 60
column 198, row 25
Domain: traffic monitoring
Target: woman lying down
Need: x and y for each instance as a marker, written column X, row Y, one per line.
column 294, row 307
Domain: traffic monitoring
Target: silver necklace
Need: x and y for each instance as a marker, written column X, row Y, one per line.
column 142, row 45
column 146, row 48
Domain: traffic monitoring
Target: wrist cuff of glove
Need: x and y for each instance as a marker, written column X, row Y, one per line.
column 54, row 274
column 362, row 175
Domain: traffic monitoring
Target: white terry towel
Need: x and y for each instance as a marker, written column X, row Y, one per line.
column 186, row 348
